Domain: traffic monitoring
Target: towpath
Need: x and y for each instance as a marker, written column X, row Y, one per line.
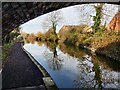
column 20, row 72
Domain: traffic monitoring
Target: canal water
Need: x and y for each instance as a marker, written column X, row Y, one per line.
column 72, row 67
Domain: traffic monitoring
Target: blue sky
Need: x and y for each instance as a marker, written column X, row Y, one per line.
column 71, row 16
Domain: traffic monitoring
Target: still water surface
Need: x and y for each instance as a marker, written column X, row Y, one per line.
column 72, row 67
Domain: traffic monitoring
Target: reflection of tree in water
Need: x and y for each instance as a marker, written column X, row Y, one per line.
column 90, row 74
column 93, row 74
column 97, row 77
column 54, row 61
column 71, row 50
column 39, row 43
column 109, row 72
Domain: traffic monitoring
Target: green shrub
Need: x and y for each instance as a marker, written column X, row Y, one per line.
column 5, row 50
column 88, row 40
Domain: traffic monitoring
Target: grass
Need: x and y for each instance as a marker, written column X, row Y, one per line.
column 5, row 50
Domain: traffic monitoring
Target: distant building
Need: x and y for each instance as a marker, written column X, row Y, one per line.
column 84, row 28
column 63, row 33
column 115, row 23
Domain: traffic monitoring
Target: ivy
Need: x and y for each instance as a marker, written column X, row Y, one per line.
column 97, row 17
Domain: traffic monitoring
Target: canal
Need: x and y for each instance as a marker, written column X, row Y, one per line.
column 72, row 67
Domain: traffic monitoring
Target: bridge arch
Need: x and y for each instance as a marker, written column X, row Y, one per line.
column 16, row 13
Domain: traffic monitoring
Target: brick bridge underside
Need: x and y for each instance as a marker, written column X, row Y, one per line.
column 16, row 13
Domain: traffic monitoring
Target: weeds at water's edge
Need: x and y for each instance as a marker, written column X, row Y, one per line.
column 5, row 52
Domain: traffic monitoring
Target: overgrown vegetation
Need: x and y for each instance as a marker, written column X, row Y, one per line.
column 51, row 35
column 9, row 40
column 12, row 36
column 5, row 50
column 97, row 18
column 48, row 36
column 101, row 41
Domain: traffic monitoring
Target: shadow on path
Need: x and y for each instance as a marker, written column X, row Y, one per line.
column 19, row 71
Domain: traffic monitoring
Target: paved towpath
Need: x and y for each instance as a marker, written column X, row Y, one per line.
column 20, row 72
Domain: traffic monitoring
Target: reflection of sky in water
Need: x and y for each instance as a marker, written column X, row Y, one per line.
column 71, row 72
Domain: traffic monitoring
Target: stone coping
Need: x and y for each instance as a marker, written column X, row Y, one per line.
column 49, row 83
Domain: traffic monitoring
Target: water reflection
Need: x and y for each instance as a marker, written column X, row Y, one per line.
column 55, row 63
column 72, row 51
column 72, row 67
column 90, row 74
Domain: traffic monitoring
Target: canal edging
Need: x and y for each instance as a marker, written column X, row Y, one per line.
column 49, row 83
column 94, row 51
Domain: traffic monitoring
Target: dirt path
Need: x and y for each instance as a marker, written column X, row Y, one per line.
column 20, row 72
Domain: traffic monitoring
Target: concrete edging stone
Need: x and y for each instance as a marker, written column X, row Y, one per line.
column 49, row 83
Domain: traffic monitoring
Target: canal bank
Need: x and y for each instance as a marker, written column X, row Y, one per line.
column 105, row 43
column 99, row 52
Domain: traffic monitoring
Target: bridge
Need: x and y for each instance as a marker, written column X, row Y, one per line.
column 16, row 13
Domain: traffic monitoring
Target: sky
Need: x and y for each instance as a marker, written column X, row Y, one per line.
column 73, row 15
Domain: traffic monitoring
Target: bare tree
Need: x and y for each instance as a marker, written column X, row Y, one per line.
column 108, row 12
column 54, row 62
column 52, row 20
column 88, row 11
column 85, row 12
